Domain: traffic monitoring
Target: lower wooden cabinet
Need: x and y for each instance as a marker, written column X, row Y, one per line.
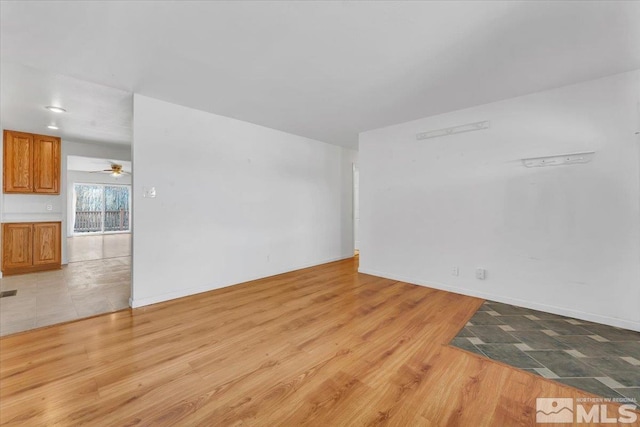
column 17, row 246
column 30, row 246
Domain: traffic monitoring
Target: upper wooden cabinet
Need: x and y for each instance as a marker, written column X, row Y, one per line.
column 18, row 162
column 46, row 164
column 31, row 163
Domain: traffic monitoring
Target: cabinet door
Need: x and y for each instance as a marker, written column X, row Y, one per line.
column 18, row 162
column 46, row 164
column 46, row 243
column 17, row 246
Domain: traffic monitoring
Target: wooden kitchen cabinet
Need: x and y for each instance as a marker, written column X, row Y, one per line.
column 31, row 163
column 18, row 162
column 17, row 246
column 30, row 246
column 46, row 164
column 46, row 243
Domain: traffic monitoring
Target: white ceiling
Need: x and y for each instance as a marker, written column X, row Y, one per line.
column 325, row 69
column 94, row 112
column 92, row 164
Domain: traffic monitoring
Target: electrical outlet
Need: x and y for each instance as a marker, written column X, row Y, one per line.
column 49, row 207
column 455, row 271
column 481, row 273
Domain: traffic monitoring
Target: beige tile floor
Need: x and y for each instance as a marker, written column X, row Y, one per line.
column 90, row 247
column 80, row 289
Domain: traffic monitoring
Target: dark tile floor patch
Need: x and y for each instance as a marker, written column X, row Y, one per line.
column 592, row 386
column 591, row 347
column 509, row 354
column 561, row 327
column 464, row 332
column 465, row 344
column 598, row 359
column 630, row 393
column 484, row 318
column 564, row 365
column 613, row 334
column 490, row 334
column 518, row 323
column 537, row 340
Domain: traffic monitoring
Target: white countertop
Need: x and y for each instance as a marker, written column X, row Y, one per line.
column 31, row 217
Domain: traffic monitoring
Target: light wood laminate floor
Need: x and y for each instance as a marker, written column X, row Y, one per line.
column 322, row 346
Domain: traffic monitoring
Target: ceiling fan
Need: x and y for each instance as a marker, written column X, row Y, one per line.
column 115, row 171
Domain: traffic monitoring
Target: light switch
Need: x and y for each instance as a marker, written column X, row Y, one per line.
column 149, row 192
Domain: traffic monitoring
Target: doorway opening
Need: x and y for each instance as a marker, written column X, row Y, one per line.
column 356, row 210
column 99, row 209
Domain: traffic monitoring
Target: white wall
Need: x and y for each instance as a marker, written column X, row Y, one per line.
column 1, row 188
column 564, row 239
column 25, row 207
column 81, row 177
column 235, row 202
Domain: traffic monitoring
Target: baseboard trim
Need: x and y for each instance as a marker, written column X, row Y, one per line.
column 141, row 302
column 590, row 317
column 31, row 269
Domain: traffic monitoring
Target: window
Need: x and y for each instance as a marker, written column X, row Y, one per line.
column 101, row 208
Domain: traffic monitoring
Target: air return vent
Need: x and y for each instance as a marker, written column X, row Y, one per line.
column 560, row 159
column 8, row 293
column 469, row 127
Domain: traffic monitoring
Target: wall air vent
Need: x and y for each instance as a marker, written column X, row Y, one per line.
column 469, row 127
column 560, row 159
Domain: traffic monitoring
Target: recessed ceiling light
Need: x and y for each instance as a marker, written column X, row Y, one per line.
column 55, row 109
column 52, row 127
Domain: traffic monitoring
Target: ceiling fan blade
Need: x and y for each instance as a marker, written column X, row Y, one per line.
column 114, row 171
